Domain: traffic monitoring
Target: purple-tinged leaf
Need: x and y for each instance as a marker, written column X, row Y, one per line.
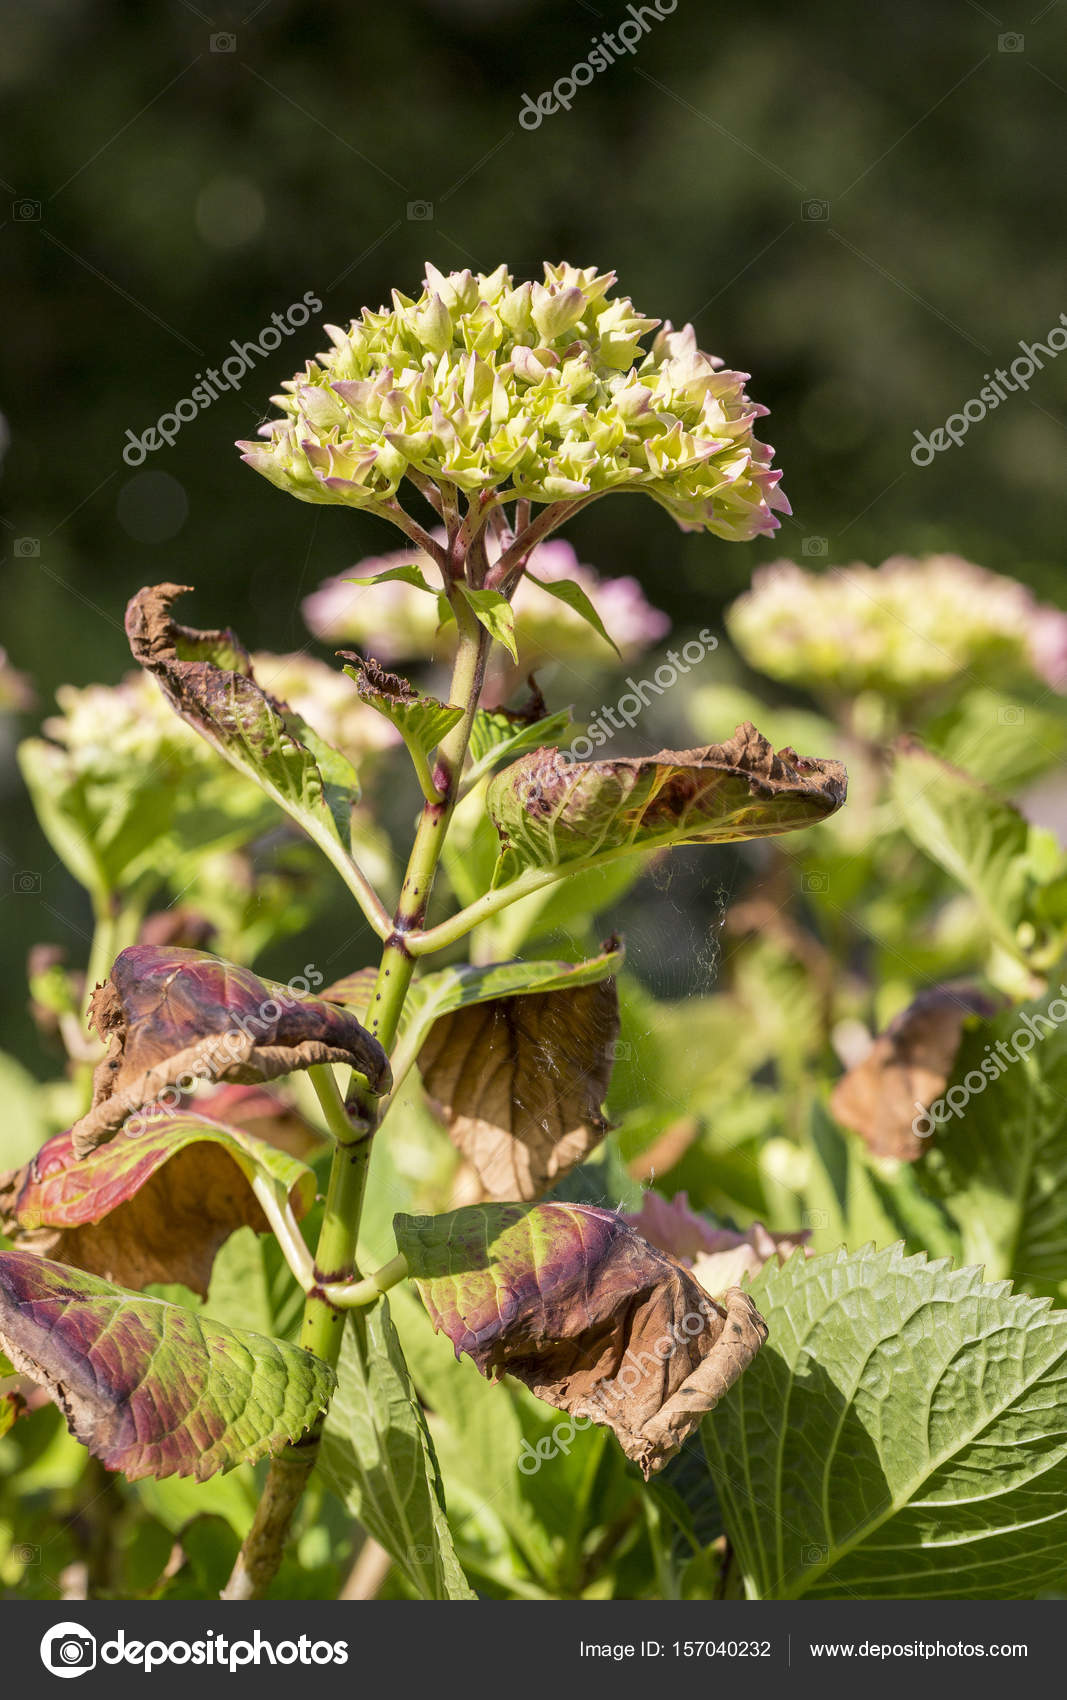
column 153, row 1389
column 174, row 1017
column 150, row 1208
column 588, row 1315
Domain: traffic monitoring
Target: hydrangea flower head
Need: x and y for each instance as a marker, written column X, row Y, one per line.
column 544, row 392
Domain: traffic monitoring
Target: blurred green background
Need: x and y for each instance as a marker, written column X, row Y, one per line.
column 859, row 206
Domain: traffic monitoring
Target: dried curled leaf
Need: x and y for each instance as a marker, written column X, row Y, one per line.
column 549, row 810
column 593, row 1319
column 906, row 1069
column 153, row 1389
column 519, row 1082
column 155, row 1208
column 208, row 680
column 421, row 720
column 173, row 1016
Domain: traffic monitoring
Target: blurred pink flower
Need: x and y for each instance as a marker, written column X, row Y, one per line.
column 717, row 1256
column 397, row 621
column 16, row 692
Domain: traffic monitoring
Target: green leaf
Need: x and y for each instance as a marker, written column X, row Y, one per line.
column 497, row 735
column 23, row 1127
column 421, row 720
column 981, row 840
column 11, row 1408
column 997, row 1150
column 150, row 1388
column 549, row 811
column 574, row 596
column 207, row 678
column 903, row 1434
column 495, row 613
column 409, row 573
column 377, row 1456
column 101, row 823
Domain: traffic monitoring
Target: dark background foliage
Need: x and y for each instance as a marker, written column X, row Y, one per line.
column 859, row 205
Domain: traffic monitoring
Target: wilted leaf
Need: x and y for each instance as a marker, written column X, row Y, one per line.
column 155, row 1208
column 207, row 678
column 520, row 1080
column 181, row 1016
column 378, row 1457
column 903, row 1435
column 549, row 810
column 421, row 720
column 592, row 1318
column 906, row 1069
column 153, row 1389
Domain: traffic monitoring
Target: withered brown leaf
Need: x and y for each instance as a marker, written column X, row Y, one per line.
column 906, row 1069
column 520, row 1081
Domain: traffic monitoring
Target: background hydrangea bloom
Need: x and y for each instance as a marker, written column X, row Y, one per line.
column 541, row 391
column 397, row 621
column 906, row 626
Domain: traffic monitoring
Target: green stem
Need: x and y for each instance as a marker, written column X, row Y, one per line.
column 353, row 1125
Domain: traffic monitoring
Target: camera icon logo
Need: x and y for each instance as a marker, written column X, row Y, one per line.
column 29, row 548
column 26, row 883
column 224, row 42
column 421, row 212
column 815, row 882
column 26, row 212
column 1010, row 714
column 68, row 1649
column 816, row 546
column 1012, row 42
column 815, row 212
